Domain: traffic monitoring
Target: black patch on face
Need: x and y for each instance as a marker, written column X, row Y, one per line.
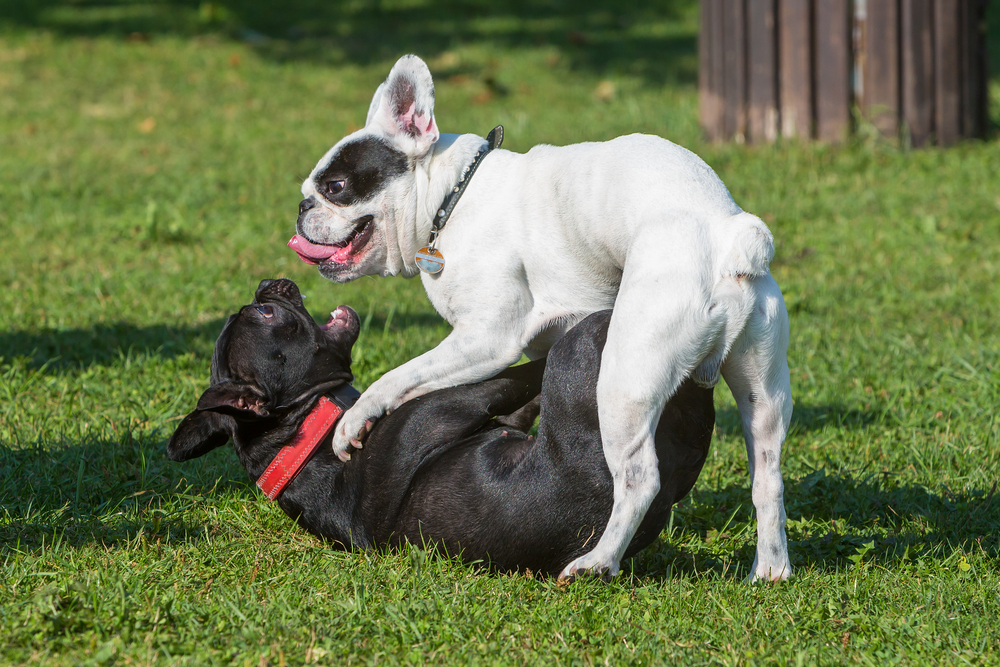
column 365, row 166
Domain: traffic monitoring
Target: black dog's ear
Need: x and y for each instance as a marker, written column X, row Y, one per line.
column 242, row 401
column 198, row 434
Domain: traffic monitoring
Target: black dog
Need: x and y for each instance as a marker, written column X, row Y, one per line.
column 445, row 468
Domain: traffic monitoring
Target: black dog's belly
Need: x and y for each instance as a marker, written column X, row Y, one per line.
column 496, row 501
column 478, row 505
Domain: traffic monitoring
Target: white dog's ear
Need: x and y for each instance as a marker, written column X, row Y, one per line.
column 376, row 101
column 403, row 107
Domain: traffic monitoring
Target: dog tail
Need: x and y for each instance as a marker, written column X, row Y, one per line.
column 751, row 249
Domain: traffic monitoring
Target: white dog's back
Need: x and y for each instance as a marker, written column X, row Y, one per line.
column 589, row 198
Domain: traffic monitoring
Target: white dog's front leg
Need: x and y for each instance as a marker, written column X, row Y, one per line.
column 467, row 355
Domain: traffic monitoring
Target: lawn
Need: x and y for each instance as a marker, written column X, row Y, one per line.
column 150, row 160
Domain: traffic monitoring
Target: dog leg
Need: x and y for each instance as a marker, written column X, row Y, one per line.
column 448, row 415
column 756, row 371
column 523, row 418
column 662, row 326
column 465, row 356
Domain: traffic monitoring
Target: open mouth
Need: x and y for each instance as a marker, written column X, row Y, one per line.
column 343, row 322
column 340, row 252
column 341, row 317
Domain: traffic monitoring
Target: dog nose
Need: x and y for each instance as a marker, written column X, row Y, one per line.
column 306, row 204
column 278, row 287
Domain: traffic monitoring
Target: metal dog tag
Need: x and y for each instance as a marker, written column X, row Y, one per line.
column 429, row 260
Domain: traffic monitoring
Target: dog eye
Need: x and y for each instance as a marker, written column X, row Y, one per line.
column 336, row 187
column 265, row 310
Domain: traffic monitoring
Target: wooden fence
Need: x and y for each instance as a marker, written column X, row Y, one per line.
column 797, row 68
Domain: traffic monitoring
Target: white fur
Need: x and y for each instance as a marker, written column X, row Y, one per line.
column 543, row 239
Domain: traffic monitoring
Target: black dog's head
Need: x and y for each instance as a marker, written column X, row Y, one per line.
column 271, row 358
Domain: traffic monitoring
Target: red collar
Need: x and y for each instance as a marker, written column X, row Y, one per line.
column 293, row 457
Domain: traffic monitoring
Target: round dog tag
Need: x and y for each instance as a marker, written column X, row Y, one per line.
column 429, row 260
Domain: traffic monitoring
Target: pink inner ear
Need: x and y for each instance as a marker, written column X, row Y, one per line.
column 428, row 124
column 406, row 120
column 411, row 121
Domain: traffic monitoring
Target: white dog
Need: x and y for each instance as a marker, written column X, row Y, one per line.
column 537, row 242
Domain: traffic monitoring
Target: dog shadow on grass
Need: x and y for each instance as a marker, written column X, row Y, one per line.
column 113, row 491
column 106, row 344
column 110, row 492
column 833, row 517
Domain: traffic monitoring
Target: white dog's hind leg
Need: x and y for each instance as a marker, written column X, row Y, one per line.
column 662, row 326
column 756, row 371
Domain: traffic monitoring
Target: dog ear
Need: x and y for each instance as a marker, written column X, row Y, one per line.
column 403, row 107
column 239, row 400
column 198, row 434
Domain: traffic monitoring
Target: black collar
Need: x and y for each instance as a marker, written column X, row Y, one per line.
column 493, row 141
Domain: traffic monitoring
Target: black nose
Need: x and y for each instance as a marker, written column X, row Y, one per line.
column 306, row 204
column 279, row 287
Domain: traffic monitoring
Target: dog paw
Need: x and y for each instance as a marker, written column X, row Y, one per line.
column 773, row 572
column 350, row 435
column 341, row 447
column 590, row 565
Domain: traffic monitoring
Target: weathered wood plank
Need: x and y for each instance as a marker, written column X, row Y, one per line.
column 713, row 67
column 881, row 65
column 795, row 87
column 707, row 95
column 947, row 72
column 917, row 44
column 734, row 76
column 762, row 83
column 832, row 31
column 974, row 83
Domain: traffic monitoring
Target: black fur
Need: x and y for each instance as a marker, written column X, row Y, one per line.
column 366, row 165
column 441, row 468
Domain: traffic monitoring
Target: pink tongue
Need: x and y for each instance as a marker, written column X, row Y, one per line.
column 311, row 253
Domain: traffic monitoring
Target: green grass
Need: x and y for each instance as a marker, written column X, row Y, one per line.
column 150, row 158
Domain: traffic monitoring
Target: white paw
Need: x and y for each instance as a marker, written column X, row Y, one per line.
column 770, row 572
column 590, row 564
column 350, row 433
